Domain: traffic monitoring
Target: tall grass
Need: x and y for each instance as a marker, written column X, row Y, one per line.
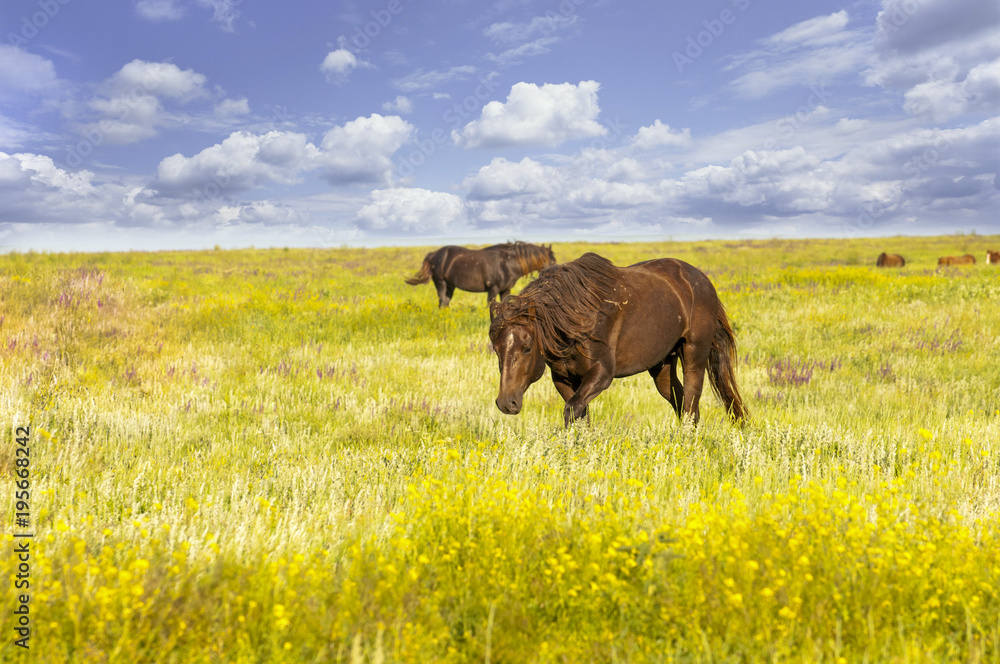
column 291, row 455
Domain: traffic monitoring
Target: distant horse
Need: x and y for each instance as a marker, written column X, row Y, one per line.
column 967, row 259
column 592, row 322
column 493, row 270
column 890, row 260
column 992, row 257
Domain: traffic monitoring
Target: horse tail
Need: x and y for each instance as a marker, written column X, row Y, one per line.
column 424, row 275
column 722, row 363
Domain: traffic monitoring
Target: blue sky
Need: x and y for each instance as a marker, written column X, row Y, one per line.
column 163, row 124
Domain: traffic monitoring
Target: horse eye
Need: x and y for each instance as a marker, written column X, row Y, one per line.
column 527, row 349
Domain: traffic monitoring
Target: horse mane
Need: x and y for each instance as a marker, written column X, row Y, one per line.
column 564, row 302
column 529, row 257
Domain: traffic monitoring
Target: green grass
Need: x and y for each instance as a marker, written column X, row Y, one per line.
column 291, row 455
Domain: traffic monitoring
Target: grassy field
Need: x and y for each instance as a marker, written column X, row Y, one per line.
column 292, row 456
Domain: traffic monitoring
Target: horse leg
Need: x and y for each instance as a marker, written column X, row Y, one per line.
column 504, row 293
column 593, row 383
column 491, row 293
column 695, row 361
column 566, row 390
column 444, row 290
column 667, row 384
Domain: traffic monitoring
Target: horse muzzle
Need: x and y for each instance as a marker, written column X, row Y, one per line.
column 509, row 405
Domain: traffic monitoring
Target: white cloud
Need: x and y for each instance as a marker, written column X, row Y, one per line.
column 159, row 10
column 504, row 179
column 809, row 53
column 400, row 104
column 22, row 72
column 34, row 189
column 660, row 135
column 229, row 109
column 411, row 210
column 224, row 12
column 929, row 49
column 533, row 115
column 241, row 162
column 851, row 125
column 125, row 120
column 15, row 134
column 626, row 170
column 22, row 167
column 814, row 31
column 421, row 81
column 264, row 212
column 338, row 64
column 132, row 104
column 539, row 26
column 781, row 181
column 525, row 40
column 161, row 79
column 361, row 150
column 517, row 54
column 944, row 99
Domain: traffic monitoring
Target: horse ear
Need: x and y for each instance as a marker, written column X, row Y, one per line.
column 494, row 308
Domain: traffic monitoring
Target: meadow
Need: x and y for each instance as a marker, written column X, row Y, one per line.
column 292, row 456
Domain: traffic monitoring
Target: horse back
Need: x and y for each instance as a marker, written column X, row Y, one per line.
column 461, row 266
column 663, row 301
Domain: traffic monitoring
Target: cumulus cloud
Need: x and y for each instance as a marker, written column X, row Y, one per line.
column 943, row 99
column 400, row 104
column 930, row 48
column 162, row 79
column 132, row 104
column 228, row 109
column 34, row 189
column 660, row 135
column 782, row 181
column 240, row 162
column 24, row 73
column 505, row 179
column 359, row 151
column 411, row 210
column 339, row 63
column 533, row 115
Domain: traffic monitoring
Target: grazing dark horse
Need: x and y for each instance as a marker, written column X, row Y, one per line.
column 992, row 257
column 967, row 259
column 494, row 269
column 890, row 260
column 592, row 322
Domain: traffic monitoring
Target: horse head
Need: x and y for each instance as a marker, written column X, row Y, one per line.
column 550, row 256
column 520, row 357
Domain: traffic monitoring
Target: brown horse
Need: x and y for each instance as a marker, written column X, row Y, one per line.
column 592, row 322
column 890, row 260
column 967, row 259
column 493, row 270
column 992, row 257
